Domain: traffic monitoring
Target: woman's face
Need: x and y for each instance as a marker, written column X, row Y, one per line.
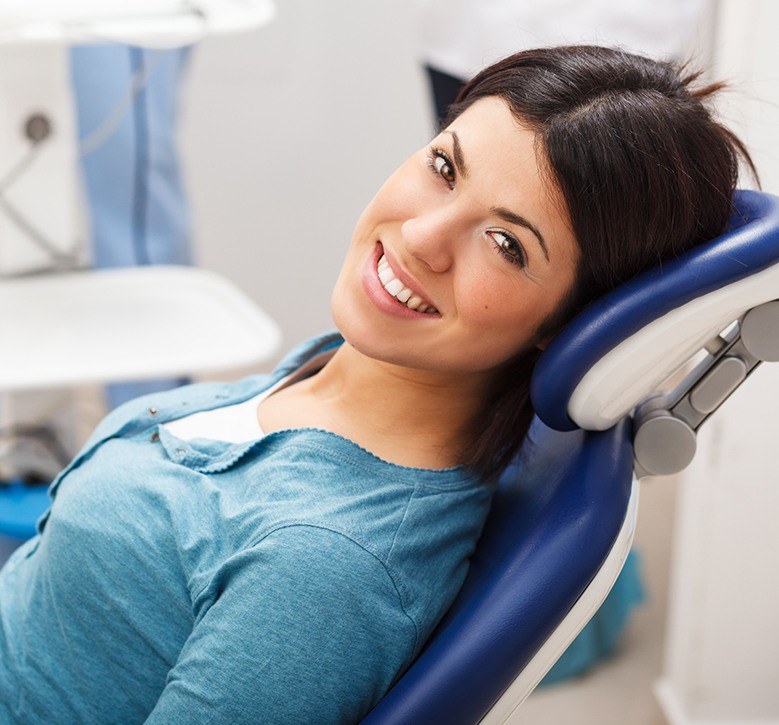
column 469, row 233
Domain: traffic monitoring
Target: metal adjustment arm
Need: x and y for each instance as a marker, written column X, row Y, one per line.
column 665, row 426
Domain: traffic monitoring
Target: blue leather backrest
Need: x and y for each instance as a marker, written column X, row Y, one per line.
column 529, row 569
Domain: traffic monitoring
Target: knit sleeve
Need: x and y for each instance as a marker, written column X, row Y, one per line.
column 306, row 626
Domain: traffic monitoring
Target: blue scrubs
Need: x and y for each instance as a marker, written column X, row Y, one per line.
column 136, row 205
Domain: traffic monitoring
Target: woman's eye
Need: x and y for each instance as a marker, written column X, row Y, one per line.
column 508, row 246
column 441, row 165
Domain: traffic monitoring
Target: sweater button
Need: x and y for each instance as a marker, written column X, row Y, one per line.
column 154, row 437
column 153, row 411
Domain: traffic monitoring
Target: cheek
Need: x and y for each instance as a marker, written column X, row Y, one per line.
column 490, row 298
column 504, row 310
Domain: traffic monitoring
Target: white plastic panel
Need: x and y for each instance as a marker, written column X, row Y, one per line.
column 634, row 369
column 127, row 324
column 42, row 193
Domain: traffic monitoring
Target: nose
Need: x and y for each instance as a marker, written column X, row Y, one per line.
column 430, row 238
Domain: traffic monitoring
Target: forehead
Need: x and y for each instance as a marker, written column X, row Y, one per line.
column 500, row 148
column 506, row 163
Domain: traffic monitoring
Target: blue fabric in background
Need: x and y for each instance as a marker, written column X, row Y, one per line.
column 601, row 636
column 126, row 102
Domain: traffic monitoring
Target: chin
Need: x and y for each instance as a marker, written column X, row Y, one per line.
column 361, row 334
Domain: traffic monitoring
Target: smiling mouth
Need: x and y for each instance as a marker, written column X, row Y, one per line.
column 396, row 288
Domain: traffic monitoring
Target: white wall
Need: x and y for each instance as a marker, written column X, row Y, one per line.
column 721, row 662
column 287, row 133
column 747, row 56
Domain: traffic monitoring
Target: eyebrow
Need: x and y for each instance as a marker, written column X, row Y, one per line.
column 513, row 218
column 459, row 159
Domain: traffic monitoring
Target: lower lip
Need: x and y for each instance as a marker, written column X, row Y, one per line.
column 383, row 299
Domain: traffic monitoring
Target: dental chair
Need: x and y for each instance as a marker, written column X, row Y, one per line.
column 619, row 395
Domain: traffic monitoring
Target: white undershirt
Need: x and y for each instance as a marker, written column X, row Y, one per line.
column 234, row 423
column 238, row 423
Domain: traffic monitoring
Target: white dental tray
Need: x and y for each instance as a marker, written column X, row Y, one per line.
column 126, row 324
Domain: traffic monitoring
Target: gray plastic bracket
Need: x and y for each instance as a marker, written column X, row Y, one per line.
column 665, row 425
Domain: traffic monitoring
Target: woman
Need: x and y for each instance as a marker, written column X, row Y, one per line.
column 278, row 550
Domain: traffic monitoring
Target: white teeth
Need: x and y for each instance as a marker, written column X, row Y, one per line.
column 404, row 294
column 395, row 287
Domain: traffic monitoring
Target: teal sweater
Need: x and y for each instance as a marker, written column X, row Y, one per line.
column 285, row 580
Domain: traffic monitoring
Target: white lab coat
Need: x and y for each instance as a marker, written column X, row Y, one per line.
column 459, row 37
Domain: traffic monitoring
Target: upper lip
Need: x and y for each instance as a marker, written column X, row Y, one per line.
column 407, row 278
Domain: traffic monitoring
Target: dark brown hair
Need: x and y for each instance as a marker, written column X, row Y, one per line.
column 645, row 173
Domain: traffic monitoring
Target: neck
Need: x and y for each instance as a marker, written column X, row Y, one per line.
column 423, row 413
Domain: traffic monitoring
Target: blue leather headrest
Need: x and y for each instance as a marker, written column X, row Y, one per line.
column 750, row 245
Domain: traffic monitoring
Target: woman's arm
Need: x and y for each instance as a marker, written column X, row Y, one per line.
column 307, row 626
